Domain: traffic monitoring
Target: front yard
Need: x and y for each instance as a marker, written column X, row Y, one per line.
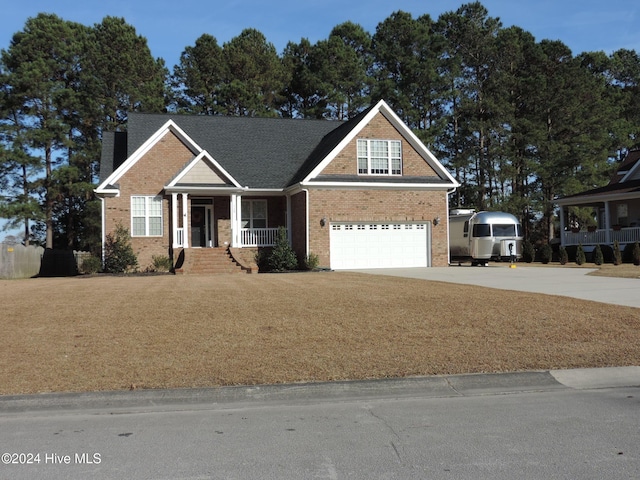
column 111, row 333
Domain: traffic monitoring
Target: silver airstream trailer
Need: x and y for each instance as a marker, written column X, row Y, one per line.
column 482, row 236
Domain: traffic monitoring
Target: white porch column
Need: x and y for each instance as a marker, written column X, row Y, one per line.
column 185, row 220
column 174, row 219
column 607, row 223
column 235, row 220
column 562, row 225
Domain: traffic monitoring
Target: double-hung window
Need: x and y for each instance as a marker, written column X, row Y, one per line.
column 254, row 213
column 379, row 157
column 146, row 216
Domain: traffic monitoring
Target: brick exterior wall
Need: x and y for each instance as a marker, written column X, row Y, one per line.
column 148, row 177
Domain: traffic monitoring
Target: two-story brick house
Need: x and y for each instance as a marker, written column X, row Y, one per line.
column 365, row 193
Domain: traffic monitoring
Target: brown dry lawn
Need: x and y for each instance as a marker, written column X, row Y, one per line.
column 112, row 333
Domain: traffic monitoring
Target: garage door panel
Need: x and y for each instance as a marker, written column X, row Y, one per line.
column 378, row 245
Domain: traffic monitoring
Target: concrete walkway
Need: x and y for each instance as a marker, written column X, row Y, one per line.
column 569, row 282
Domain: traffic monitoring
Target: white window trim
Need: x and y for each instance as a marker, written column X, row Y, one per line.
column 389, row 157
column 147, row 215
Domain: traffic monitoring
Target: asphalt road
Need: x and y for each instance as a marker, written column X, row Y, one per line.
column 570, row 282
column 536, row 425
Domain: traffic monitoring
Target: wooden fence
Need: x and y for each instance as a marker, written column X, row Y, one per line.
column 18, row 261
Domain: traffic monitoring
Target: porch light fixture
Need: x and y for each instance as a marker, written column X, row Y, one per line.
column 436, row 221
column 323, row 221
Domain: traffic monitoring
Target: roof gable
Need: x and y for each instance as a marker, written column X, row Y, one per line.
column 168, row 128
column 344, row 136
column 629, row 169
column 203, row 170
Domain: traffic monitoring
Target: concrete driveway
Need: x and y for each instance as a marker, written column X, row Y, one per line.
column 569, row 282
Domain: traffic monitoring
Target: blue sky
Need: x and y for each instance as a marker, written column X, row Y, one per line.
column 583, row 25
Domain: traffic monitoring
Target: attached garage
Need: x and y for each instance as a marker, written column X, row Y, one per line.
column 379, row 245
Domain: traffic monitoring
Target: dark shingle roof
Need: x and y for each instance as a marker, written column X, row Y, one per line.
column 632, row 186
column 257, row 152
column 114, row 152
column 627, row 164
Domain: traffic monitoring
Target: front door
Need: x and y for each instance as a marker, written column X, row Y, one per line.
column 201, row 220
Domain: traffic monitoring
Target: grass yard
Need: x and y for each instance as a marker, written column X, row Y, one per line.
column 112, row 333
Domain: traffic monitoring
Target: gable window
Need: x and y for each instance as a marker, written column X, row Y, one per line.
column 146, row 216
column 379, row 157
column 254, row 213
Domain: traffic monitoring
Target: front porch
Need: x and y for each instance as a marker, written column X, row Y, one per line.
column 229, row 221
column 612, row 218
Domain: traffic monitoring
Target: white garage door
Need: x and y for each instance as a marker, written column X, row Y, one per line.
column 379, row 245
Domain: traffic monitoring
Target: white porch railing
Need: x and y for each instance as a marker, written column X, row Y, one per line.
column 600, row 237
column 258, row 237
column 249, row 237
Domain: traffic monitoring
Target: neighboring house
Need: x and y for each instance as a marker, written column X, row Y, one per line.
column 617, row 208
column 365, row 193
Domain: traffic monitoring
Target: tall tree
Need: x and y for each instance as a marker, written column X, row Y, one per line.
column 570, row 118
column 198, row 78
column 305, row 94
column 623, row 86
column 406, row 55
column 475, row 97
column 126, row 77
column 41, row 68
column 343, row 64
column 254, row 76
column 18, row 173
column 517, row 51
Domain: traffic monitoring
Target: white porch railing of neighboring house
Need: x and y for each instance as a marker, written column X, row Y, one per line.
column 602, row 236
column 258, row 237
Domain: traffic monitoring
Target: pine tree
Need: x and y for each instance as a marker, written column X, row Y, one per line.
column 197, row 79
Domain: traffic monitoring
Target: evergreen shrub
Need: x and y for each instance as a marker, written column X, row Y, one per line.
column 563, row 256
column 617, row 254
column 282, row 257
column 91, row 265
column 528, row 252
column 581, row 258
column 598, row 258
column 545, row 253
column 118, row 252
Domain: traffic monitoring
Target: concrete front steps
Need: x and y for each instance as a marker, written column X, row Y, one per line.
column 209, row 261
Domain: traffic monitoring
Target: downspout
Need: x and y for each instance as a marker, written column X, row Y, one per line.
column 103, row 239
column 308, row 233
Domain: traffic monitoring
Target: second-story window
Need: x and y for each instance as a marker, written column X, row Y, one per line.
column 379, row 157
